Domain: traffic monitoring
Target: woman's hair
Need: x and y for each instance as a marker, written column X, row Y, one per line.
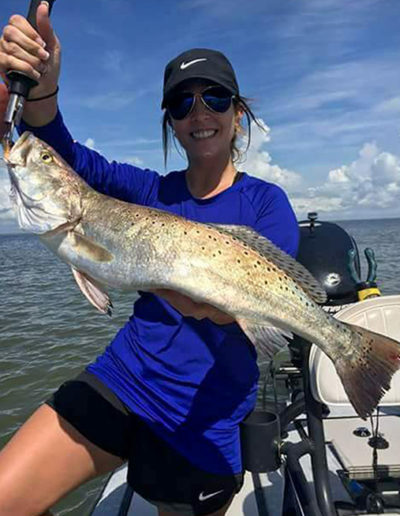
column 239, row 104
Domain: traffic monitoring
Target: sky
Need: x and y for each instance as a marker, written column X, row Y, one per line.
column 323, row 76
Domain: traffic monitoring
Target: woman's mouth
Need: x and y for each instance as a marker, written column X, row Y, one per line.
column 202, row 134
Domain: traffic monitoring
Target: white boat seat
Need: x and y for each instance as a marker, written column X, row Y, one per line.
column 381, row 315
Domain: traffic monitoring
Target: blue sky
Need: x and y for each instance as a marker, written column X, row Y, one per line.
column 324, row 76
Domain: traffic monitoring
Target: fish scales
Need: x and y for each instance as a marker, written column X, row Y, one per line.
column 111, row 243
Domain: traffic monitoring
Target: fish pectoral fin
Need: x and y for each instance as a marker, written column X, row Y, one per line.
column 92, row 291
column 267, row 339
column 62, row 228
column 89, row 249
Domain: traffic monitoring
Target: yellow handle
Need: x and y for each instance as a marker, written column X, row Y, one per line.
column 368, row 292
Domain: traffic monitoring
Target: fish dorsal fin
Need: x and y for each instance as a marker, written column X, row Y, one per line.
column 281, row 259
column 93, row 292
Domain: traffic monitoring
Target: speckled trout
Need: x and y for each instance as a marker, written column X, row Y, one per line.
column 111, row 243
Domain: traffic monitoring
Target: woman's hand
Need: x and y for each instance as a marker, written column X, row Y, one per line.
column 189, row 308
column 34, row 53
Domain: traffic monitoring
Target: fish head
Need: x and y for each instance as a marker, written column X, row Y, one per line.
column 45, row 191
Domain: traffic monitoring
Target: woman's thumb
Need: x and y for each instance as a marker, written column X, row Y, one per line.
column 44, row 26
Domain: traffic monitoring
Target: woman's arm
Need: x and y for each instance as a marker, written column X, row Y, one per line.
column 36, row 54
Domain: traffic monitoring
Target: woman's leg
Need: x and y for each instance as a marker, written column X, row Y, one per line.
column 46, row 459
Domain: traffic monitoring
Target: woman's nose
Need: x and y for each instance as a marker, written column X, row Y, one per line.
column 199, row 109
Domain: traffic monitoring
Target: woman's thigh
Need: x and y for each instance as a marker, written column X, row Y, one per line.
column 45, row 460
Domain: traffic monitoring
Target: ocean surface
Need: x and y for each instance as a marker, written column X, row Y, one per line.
column 49, row 332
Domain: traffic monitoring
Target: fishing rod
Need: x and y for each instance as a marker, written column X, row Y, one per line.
column 19, row 85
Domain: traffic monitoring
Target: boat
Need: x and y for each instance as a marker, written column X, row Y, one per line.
column 307, row 452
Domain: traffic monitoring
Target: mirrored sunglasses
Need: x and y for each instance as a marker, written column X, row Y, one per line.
column 215, row 98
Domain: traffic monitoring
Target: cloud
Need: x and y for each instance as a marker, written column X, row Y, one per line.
column 134, row 160
column 258, row 161
column 89, row 143
column 391, row 105
column 368, row 185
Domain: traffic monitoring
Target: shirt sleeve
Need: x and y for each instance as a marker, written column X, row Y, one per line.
column 277, row 221
column 120, row 180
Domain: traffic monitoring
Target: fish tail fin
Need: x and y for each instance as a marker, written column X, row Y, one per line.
column 367, row 375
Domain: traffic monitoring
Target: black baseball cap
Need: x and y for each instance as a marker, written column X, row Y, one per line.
column 199, row 63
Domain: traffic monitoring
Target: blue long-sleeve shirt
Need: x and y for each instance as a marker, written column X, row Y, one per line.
column 191, row 381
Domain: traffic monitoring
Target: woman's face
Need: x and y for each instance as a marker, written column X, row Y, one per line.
column 205, row 134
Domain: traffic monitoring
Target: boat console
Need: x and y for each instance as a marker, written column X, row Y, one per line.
column 336, row 463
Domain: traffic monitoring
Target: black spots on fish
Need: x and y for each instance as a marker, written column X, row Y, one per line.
column 185, row 232
column 265, row 282
column 219, row 252
column 137, row 215
column 203, row 248
column 238, row 260
column 246, row 253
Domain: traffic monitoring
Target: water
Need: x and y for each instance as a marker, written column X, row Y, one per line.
column 49, row 331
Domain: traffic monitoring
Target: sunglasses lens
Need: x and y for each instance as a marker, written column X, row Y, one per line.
column 180, row 105
column 217, row 99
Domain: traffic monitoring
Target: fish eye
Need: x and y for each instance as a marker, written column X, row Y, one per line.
column 46, row 157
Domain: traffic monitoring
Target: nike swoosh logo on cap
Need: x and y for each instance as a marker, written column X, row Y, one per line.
column 203, row 497
column 190, row 63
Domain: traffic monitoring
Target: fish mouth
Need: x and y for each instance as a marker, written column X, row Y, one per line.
column 17, row 154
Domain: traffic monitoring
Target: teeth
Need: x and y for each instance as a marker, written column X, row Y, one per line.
column 204, row 133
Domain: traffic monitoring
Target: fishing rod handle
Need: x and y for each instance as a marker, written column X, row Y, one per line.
column 20, row 83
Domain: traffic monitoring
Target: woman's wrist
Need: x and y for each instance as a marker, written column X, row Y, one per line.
column 43, row 97
column 38, row 113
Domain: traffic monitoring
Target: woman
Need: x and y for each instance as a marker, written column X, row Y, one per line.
column 170, row 391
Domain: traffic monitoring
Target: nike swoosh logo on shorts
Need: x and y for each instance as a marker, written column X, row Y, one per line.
column 203, row 497
column 189, row 63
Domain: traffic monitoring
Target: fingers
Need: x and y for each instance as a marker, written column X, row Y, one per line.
column 22, row 24
column 189, row 308
column 21, row 48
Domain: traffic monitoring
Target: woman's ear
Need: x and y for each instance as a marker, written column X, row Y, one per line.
column 238, row 118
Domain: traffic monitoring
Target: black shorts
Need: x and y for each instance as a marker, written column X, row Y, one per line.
column 156, row 471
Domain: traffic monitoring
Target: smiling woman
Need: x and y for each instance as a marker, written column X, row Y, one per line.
column 169, row 393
